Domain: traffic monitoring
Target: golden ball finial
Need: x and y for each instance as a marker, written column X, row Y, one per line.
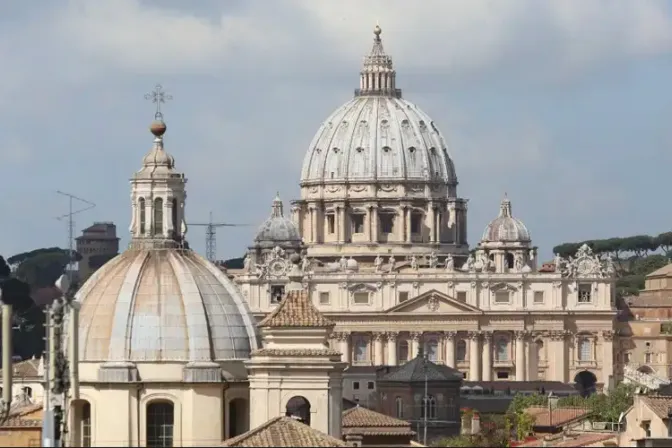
column 377, row 30
column 158, row 128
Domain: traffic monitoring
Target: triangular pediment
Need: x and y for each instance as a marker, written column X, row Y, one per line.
column 433, row 302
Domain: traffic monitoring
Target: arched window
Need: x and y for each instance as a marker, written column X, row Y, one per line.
column 160, row 424
column 509, row 260
column 461, row 350
column 86, row 424
column 428, row 406
column 298, row 408
column 158, row 216
column 143, row 216
column 361, row 350
column 399, row 402
column 27, row 391
column 502, row 349
column 176, row 230
column 584, row 349
column 432, row 349
column 540, row 350
column 402, row 351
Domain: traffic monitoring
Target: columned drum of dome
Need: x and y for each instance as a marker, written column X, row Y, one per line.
column 378, row 178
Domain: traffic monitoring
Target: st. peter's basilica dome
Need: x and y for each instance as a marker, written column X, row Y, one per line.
column 378, row 135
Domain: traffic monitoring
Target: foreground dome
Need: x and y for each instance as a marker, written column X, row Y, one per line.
column 163, row 305
column 505, row 228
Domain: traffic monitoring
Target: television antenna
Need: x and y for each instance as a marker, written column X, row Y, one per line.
column 211, row 235
column 69, row 218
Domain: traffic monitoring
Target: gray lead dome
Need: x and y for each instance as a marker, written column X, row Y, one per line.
column 277, row 230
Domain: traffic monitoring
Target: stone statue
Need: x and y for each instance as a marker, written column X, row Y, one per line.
column 469, row 264
column 433, row 260
column 414, row 263
column 518, row 262
column 531, row 254
column 610, row 267
column 278, row 252
column 378, row 263
column 392, row 263
column 343, row 263
column 450, row 263
column 305, row 264
column 558, row 263
column 246, row 263
column 485, row 262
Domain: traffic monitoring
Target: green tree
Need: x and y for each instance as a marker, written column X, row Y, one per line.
column 664, row 241
column 43, row 269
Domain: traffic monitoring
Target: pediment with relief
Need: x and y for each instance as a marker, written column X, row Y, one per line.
column 433, row 302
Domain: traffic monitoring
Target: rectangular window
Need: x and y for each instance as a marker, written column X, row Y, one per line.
column 331, row 224
column 361, row 298
column 324, row 298
column 585, row 293
column 626, row 357
column 403, row 296
column 416, row 223
column 502, row 297
column 357, row 223
column 355, row 385
column 370, row 385
column 462, row 296
column 648, row 358
column 646, row 426
column 538, row 297
column 502, row 375
column 386, row 222
column 277, row 293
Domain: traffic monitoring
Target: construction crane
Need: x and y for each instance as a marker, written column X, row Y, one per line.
column 211, row 235
column 69, row 217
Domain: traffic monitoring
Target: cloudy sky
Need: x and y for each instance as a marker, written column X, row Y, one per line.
column 565, row 105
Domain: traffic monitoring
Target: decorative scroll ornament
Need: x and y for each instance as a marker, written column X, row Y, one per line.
column 585, row 264
column 275, row 265
column 433, row 303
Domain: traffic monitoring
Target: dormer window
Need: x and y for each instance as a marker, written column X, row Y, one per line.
column 277, row 294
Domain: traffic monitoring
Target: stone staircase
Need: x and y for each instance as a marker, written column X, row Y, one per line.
column 631, row 374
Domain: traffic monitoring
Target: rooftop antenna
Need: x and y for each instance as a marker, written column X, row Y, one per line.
column 88, row 205
column 211, row 235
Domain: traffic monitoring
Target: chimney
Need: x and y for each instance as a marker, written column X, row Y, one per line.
column 475, row 424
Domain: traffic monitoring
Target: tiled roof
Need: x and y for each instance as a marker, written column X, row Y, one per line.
column 296, row 352
column 26, row 369
column 296, row 310
column 659, row 405
column 419, row 368
column 586, row 439
column 362, row 421
column 556, row 417
column 284, row 432
column 22, row 418
column 523, row 386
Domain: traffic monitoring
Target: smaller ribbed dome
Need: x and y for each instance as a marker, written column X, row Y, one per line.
column 278, row 230
column 506, row 228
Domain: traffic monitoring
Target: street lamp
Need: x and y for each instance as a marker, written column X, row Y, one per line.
column 7, row 363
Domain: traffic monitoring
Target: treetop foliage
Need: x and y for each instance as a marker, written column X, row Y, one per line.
column 621, row 248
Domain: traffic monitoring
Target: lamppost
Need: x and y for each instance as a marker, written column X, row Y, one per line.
column 62, row 371
column 7, row 363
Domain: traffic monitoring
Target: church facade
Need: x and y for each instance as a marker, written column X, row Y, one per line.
column 384, row 233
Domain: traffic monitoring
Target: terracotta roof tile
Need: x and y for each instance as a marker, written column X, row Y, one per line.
column 284, row 432
column 659, row 405
column 296, row 352
column 28, row 416
column 26, row 369
column 366, row 418
column 558, row 417
column 586, row 439
column 296, row 310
